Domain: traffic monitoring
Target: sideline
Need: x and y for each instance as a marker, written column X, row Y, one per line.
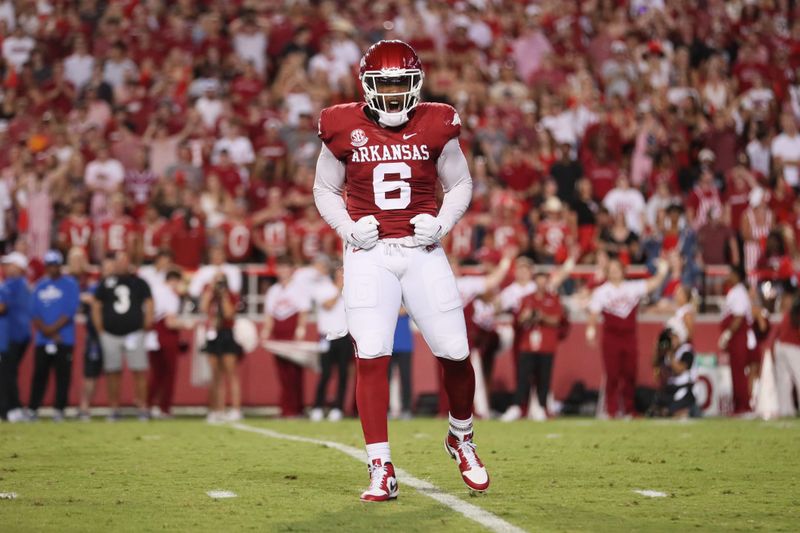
column 473, row 512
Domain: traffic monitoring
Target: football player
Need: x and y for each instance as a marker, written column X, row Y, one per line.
column 386, row 156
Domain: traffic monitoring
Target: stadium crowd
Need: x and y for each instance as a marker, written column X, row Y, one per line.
column 596, row 129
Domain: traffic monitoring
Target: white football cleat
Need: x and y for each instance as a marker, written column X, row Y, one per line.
column 316, row 414
column 335, row 415
column 512, row 414
column 382, row 483
column 472, row 470
column 215, row 417
column 234, row 415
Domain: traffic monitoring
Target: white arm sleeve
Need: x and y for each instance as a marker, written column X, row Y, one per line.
column 328, row 188
column 456, row 182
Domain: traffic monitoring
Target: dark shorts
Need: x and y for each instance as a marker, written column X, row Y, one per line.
column 223, row 344
column 93, row 358
column 687, row 402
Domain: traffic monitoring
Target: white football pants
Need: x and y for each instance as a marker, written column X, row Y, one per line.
column 377, row 281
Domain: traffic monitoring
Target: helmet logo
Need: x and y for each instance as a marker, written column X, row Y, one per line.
column 358, row 138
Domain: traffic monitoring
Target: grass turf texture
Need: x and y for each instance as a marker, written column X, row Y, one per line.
column 570, row 475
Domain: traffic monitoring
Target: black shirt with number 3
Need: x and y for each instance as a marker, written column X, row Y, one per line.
column 122, row 299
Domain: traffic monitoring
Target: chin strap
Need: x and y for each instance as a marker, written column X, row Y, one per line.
column 392, row 120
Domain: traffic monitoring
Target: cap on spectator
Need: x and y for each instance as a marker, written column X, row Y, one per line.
column 461, row 21
column 655, row 48
column 16, row 259
column 552, row 204
column 53, row 257
column 706, row 155
column 618, row 47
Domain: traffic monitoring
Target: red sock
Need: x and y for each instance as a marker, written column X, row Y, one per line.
column 459, row 382
column 372, row 397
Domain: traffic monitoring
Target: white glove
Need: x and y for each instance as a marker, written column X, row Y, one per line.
column 363, row 233
column 427, row 229
column 724, row 339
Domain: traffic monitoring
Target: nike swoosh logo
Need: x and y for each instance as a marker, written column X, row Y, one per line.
column 407, row 137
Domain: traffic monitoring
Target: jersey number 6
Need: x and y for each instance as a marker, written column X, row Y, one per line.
column 381, row 187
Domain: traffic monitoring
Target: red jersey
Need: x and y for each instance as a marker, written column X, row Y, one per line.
column 540, row 337
column 506, row 235
column 311, row 237
column 554, row 235
column 154, row 237
column 118, row 234
column 238, row 243
column 75, row 231
column 272, row 236
column 603, row 177
column 461, row 239
column 390, row 172
column 703, row 201
column 187, row 237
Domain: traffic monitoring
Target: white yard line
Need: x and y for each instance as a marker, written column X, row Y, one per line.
column 485, row 518
column 651, row 493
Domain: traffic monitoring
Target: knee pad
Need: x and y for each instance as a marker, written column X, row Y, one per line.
column 371, row 345
column 452, row 347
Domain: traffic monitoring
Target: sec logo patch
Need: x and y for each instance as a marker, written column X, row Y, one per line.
column 358, row 138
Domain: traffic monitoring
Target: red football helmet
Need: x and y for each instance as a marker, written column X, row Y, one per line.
column 391, row 63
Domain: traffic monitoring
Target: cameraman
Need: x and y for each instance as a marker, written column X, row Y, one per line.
column 675, row 372
column 219, row 304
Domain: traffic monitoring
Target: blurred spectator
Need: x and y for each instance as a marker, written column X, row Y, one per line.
column 717, row 242
column 619, row 242
column 566, row 172
column 250, row 42
column 204, row 277
column 328, row 301
column 785, row 151
column 17, row 48
column 18, row 315
column 235, row 144
column 737, row 338
column 540, row 317
column 56, row 299
column 787, row 358
column 617, row 300
column 122, row 311
column 8, row 368
column 757, row 222
column 103, row 177
column 285, row 315
column 78, row 66
column 118, row 66
column 77, row 267
column 218, row 303
column 164, row 358
column 627, row 201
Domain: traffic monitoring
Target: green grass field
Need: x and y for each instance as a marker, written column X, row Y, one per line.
column 571, row 475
